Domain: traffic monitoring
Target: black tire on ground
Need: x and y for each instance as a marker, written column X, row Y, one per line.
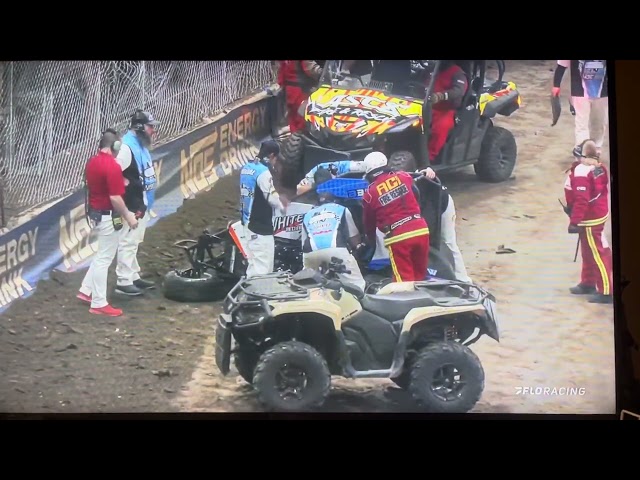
column 498, row 156
column 300, row 358
column 245, row 362
column 403, row 160
column 425, row 369
column 180, row 287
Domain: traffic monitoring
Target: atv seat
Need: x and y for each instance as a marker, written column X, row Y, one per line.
column 396, row 306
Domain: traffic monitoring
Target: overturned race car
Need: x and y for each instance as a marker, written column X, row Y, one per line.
column 219, row 260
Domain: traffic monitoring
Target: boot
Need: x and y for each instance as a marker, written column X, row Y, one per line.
column 600, row 298
column 144, row 284
column 581, row 289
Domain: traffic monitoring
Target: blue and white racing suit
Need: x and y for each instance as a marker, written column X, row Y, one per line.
column 327, row 230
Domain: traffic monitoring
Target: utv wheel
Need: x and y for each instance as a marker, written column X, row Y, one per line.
column 245, row 362
column 292, row 376
column 497, row 156
column 446, row 377
column 290, row 166
column 403, row 160
column 182, row 286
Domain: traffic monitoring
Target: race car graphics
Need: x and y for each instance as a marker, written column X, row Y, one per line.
column 360, row 112
column 288, row 223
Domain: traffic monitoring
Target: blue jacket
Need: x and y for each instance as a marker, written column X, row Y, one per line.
column 142, row 157
column 250, row 194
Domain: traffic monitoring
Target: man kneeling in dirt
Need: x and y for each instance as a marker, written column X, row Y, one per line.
column 335, row 168
column 328, row 230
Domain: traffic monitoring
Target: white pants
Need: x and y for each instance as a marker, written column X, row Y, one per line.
column 448, row 236
column 94, row 283
column 592, row 119
column 313, row 260
column 128, row 269
column 260, row 253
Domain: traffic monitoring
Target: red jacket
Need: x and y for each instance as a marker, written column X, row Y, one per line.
column 453, row 81
column 303, row 74
column 587, row 193
column 390, row 204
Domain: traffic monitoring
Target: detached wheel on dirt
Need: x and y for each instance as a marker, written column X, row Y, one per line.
column 446, row 377
column 292, row 154
column 497, row 156
column 403, row 160
column 245, row 362
column 182, row 286
column 292, row 376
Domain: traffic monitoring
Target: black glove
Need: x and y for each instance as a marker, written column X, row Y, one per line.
column 437, row 97
column 567, row 210
column 573, row 228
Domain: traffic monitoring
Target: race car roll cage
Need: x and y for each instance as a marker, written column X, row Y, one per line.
column 475, row 71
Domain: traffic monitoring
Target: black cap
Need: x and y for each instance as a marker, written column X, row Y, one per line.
column 268, row 147
column 141, row 118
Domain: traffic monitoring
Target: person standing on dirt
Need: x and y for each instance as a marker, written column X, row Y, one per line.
column 449, row 89
column 587, row 194
column 390, row 204
column 258, row 199
column 328, row 230
column 589, row 93
column 105, row 209
column 297, row 78
column 448, row 228
column 335, row 168
column 140, row 180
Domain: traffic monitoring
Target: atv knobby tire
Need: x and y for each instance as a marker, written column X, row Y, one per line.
column 291, row 159
column 180, row 287
column 498, row 155
column 297, row 356
column 424, row 370
column 245, row 362
column 403, row 160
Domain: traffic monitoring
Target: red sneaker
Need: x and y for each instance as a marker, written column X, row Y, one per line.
column 106, row 310
column 83, row 297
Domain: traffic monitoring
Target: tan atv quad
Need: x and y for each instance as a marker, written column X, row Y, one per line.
column 290, row 333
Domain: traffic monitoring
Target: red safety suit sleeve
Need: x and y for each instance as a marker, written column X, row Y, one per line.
column 312, row 69
column 581, row 187
column 368, row 216
column 458, row 86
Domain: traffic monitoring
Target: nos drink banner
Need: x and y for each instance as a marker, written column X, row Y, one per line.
column 59, row 238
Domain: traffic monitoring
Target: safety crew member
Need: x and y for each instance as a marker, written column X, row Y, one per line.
column 140, row 181
column 448, row 228
column 589, row 93
column 258, row 199
column 297, row 78
column 328, row 230
column 391, row 205
column 335, row 168
column 106, row 210
column 587, row 194
column 448, row 90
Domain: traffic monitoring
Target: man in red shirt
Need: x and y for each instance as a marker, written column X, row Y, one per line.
column 448, row 91
column 297, row 78
column 106, row 210
column 587, row 194
column 391, row 206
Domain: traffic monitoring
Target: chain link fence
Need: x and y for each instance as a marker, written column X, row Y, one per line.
column 52, row 113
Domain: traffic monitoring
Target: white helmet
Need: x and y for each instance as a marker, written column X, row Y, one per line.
column 374, row 160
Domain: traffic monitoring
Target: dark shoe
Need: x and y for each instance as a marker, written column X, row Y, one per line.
column 130, row 290
column 600, row 298
column 144, row 284
column 581, row 289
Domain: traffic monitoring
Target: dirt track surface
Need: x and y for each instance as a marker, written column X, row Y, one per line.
column 56, row 357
